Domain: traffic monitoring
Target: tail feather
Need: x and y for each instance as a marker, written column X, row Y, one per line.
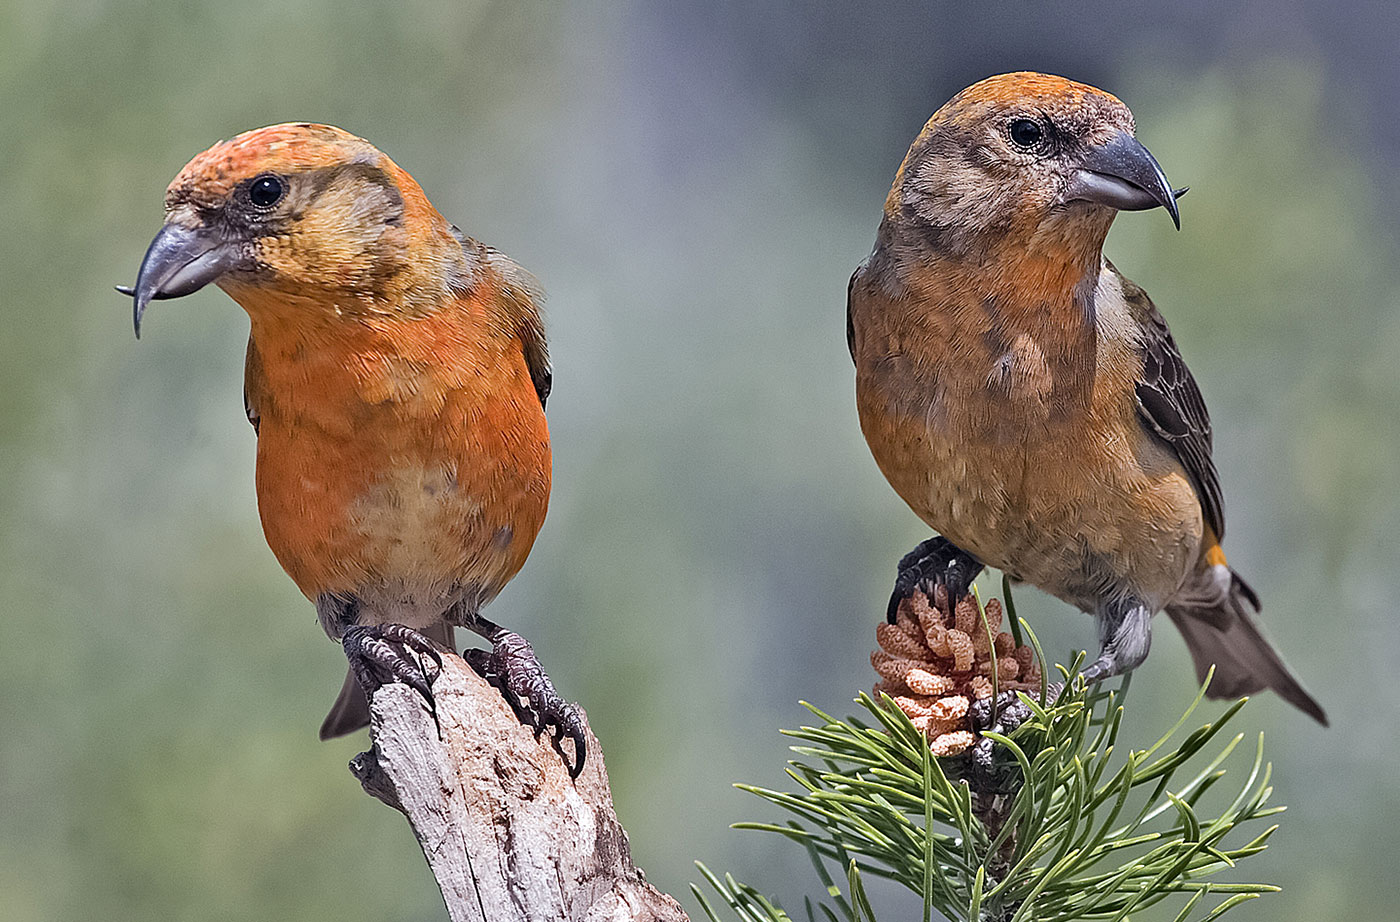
column 351, row 710
column 1227, row 635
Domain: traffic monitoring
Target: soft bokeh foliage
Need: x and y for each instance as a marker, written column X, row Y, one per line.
column 693, row 184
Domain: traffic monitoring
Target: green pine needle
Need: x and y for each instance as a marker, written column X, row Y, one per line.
column 1089, row 832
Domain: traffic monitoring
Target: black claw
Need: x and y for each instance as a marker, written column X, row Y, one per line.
column 958, row 576
column 384, row 653
column 511, row 666
column 934, row 562
column 912, row 569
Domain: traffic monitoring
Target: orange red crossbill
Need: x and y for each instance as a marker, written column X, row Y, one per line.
column 1028, row 401
column 396, row 378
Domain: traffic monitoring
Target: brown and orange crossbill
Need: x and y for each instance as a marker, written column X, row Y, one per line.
column 396, row 378
column 1027, row 401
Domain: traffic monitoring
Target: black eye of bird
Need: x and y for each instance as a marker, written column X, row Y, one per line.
column 266, row 191
column 1026, row 133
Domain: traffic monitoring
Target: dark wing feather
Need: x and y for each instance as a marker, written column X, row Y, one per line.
column 1171, row 406
column 537, row 359
column 850, row 325
column 252, row 385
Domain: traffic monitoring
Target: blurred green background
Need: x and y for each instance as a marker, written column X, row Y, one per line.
column 693, row 183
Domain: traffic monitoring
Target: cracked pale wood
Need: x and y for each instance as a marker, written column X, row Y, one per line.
column 507, row 833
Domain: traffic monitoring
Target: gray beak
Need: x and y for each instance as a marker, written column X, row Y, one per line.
column 179, row 261
column 1122, row 174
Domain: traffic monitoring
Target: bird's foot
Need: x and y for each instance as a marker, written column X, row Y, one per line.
column 511, row 666
column 935, row 562
column 384, row 653
column 1100, row 669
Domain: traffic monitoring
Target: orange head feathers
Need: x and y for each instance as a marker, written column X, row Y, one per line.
column 309, row 213
column 1016, row 152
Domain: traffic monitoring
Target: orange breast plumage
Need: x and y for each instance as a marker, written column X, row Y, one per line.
column 409, row 463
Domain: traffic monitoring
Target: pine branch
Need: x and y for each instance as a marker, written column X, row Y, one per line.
column 1044, row 819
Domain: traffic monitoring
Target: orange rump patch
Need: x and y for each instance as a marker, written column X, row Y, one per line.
column 1215, row 556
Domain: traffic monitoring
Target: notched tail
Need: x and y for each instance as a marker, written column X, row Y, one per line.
column 1226, row 634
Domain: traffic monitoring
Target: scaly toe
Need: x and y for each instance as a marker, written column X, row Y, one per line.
column 512, row 662
column 383, row 653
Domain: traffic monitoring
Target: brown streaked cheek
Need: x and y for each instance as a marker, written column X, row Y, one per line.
column 299, row 260
column 320, row 252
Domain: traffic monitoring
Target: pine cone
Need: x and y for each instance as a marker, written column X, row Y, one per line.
column 936, row 664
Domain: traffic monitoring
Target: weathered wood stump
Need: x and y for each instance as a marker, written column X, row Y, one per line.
column 507, row 833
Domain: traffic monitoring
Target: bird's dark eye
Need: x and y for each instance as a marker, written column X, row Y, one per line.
column 1026, row 133
column 266, row 191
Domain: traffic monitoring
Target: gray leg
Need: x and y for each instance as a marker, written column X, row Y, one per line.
column 1125, row 634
